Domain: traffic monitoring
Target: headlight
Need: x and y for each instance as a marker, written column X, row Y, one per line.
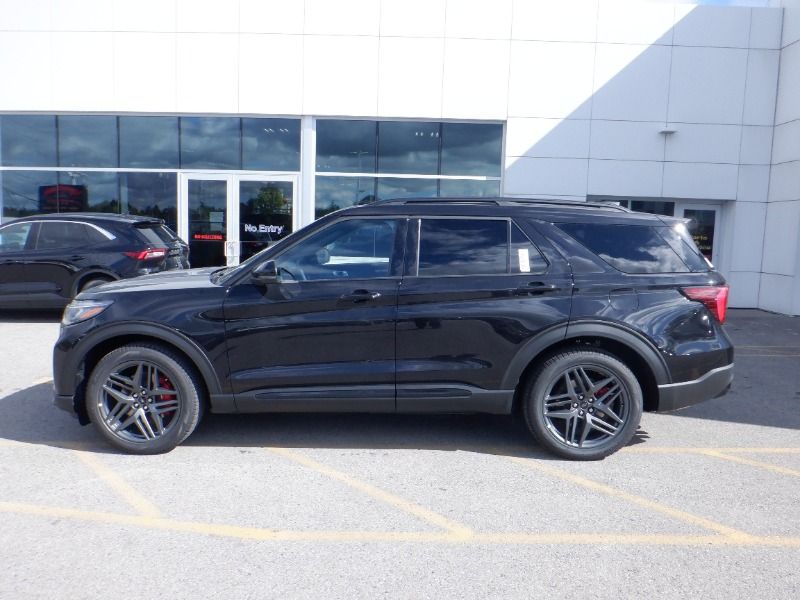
column 81, row 310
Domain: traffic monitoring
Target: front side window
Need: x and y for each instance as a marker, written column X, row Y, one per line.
column 463, row 247
column 14, row 237
column 350, row 249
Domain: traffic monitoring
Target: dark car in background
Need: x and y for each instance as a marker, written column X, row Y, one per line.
column 46, row 260
column 576, row 316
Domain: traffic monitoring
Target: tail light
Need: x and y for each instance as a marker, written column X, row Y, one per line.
column 715, row 298
column 150, row 254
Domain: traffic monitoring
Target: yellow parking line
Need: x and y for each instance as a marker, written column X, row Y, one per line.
column 123, row 489
column 456, row 529
column 752, row 463
column 263, row 534
column 734, row 534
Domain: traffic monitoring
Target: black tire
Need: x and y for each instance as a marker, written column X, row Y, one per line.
column 114, row 398
column 589, row 432
column 93, row 282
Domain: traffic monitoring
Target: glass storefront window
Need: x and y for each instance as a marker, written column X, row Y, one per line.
column 471, row 149
column 210, row 143
column 94, row 191
column 468, row 188
column 25, row 192
column 271, row 144
column 333, row 193
column 395, row 187
column 28, row 141
column 408, row 147
column 150, row 194
column 148, row 142
column 87, row 141
column 346, row 146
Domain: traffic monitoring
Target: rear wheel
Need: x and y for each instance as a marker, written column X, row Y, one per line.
column 143, row 399
column 583, row 404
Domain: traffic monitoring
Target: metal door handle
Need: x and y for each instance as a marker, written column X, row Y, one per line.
column 361, row 296
column 536, row 287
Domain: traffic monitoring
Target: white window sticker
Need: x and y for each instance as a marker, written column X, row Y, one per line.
column 524, row 260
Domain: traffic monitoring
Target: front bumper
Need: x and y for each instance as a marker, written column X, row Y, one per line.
column 716, row 382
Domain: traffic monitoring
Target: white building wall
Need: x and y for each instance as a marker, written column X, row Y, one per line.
column 780, row 279
column 585, row 87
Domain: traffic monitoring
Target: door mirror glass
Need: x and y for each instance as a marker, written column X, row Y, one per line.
column 266, row 272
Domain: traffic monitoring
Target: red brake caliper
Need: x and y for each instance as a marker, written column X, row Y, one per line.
column 166, row 384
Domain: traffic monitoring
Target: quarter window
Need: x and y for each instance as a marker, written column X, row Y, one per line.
column 525, row 257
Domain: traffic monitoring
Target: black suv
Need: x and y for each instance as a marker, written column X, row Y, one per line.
column 45, row 260
column 578, row 315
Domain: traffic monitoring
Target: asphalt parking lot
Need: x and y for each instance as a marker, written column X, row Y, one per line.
column 704, row 503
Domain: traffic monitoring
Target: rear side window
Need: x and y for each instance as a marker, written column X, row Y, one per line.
column 463, row 247
column 638, row 248
column 53, row 236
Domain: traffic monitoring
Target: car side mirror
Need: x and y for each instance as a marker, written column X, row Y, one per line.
column 266, row 272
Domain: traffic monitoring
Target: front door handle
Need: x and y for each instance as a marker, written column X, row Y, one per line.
column 360, row 296
column 77, row 257
column 535, row 288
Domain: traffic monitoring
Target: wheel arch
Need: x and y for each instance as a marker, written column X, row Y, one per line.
column 84, row 276
column 632, row 348
column 104, row 341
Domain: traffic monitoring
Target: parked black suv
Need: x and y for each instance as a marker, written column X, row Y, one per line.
column 579, row 315
column 45, row 260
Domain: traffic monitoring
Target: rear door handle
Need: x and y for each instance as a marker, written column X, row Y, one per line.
column 360, row 296
column 536, row 287
column 77, row 257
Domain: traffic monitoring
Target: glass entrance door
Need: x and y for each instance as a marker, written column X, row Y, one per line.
column 228, row 217
column 702, row 227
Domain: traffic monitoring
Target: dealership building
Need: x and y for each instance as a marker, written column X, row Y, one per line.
column 240, row 121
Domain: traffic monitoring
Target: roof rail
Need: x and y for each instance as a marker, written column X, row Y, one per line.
column 501, row 201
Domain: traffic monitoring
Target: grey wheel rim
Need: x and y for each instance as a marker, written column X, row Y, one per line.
column 586, row 406
column 139, row 403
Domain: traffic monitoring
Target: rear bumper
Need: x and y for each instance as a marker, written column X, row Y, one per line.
column 716, row 382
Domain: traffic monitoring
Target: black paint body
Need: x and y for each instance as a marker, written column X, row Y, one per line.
column 422, row 344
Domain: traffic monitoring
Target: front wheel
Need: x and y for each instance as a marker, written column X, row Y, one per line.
column 143, row 399
column 583, row 404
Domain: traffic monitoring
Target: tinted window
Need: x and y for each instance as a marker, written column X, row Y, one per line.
column 408, row 147
column 471, row 149
column 149, row 195
column 629, row 248
column 156, row 235
column 463, row 247
column 346, row 146
column 28, row 141
column 53, row 236
column 351, row 249
column 94, row 236
column 210, row 143
column 13, row 237
column 271, row 144
column 682, row 243
column 148, row 142
column 525, row 257
column 87, row 141
column 333, row 193
column 27, row 192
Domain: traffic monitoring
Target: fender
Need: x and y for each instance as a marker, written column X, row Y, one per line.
column 151, row 330
column 585, row 328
